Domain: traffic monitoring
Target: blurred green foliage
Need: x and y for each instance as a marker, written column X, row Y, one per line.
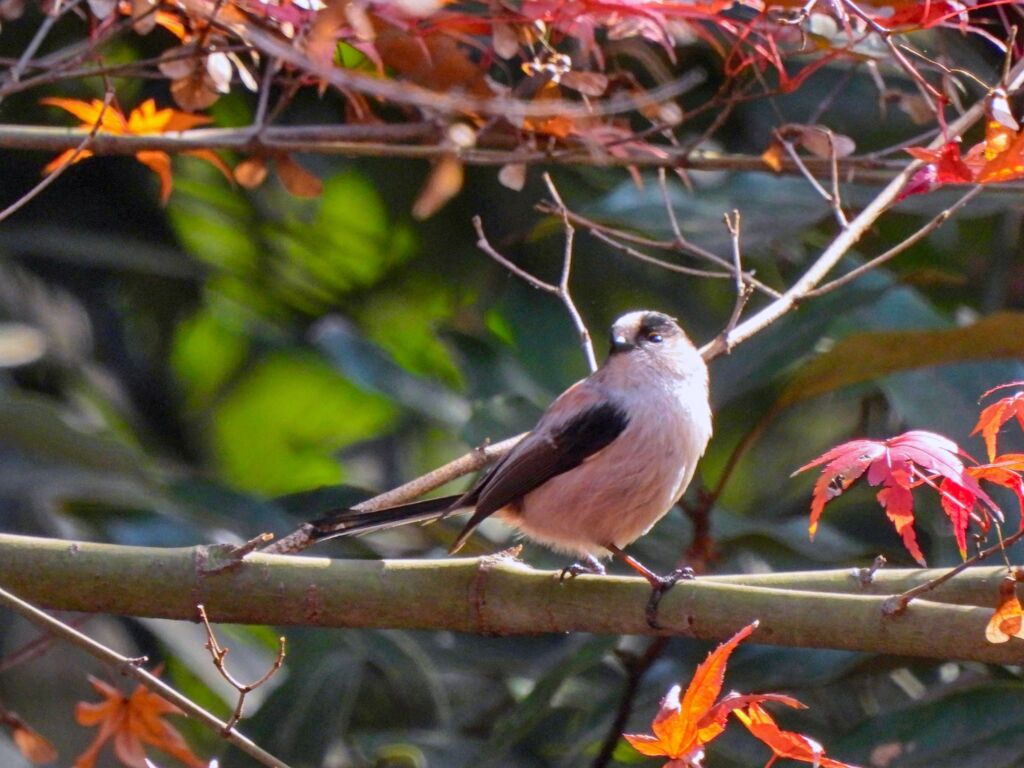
column 242, row 360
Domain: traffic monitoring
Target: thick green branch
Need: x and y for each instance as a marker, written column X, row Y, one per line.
column 489, row 596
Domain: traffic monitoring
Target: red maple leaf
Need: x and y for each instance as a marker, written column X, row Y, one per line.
column 786, row 744
column 944, row 166
column 899, row 465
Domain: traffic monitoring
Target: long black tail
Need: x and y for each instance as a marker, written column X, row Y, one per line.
column 351, row 522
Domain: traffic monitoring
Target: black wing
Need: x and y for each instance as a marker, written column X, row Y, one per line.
column 538, row 459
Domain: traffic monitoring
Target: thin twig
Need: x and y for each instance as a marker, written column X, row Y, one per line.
column 218, row 653
column 423, row 140
column 722, row 344
column 563, row 281
column 798, row 161
column 668, row 265
column 485, row 245
column 14, row 73
column 896, row 604
column 670, row 210
column 941, row 218
column 51, row 177
column 129, row 667
column 34, row 648
column 559, row 290
column 259, row 120
column 848, row 237
column 675, row 246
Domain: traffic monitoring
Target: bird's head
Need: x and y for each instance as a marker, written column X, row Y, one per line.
column 652, row 338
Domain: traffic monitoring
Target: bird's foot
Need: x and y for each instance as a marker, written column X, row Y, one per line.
column 659, row 586
column 590, row 565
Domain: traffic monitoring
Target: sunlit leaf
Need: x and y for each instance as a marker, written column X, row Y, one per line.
column 1008, row 619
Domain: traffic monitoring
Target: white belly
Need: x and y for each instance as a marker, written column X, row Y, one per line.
column 616, row 495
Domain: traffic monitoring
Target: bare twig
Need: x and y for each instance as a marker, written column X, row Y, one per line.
column 721, row 344
column 129, row 667
column 941, row 218
column 34, row 648
column 424, row 140
column 563, row 280
column 848, row 237
column 799, row 163
column 218, row 653
column 675, row 246
column 670, row 210
column 837, row 200
column 898, row 603
column 667, row 265
column 14, row 73
column 559, row 290
column 867, row 575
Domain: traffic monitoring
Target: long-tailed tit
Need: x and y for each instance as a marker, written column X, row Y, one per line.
column 606, row 461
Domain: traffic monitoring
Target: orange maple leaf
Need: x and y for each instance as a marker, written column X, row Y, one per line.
column 683, row 726
column 993, row 417
column 145, row 119
column 1008, row 620
column 794, row 746
column 132, row 722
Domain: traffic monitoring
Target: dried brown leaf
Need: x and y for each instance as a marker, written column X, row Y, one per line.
column 251, row 172
column 442, row 185
column 295, row 178
column 513, row 176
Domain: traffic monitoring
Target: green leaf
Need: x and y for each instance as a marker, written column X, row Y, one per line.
column 367, row 365
column 531, row 711
column 207, row 350
column 867, row 356
column 37, row 427
column 278, row 429
column 980, row 728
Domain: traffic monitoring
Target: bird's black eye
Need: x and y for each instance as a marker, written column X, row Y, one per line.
column 654, row 338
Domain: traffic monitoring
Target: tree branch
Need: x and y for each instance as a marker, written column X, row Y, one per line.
column 131, row 668
column 425, row 140
column 491, row 595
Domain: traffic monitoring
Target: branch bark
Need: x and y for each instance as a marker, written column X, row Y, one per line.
column 494, row 596
column 422, row 140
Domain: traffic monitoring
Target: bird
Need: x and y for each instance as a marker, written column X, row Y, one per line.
column 606, row 461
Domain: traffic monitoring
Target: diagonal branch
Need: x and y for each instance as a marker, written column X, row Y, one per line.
column 130, row 668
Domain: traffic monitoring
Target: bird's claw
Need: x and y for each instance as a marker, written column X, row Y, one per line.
column 658, row 590
column 591, row 566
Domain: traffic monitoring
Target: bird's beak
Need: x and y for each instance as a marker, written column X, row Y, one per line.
column 621, row 344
